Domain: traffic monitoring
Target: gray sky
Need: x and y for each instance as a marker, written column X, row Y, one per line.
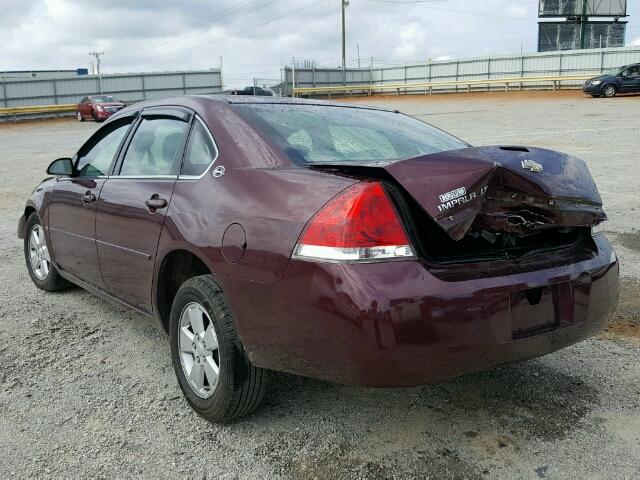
column 256, row 37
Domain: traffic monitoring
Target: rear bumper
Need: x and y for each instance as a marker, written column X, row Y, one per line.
column 394, row 324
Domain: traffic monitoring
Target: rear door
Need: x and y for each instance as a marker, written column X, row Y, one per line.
column 72, row 209
column 134, row 200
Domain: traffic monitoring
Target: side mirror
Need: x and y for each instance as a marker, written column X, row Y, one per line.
column 61, row 166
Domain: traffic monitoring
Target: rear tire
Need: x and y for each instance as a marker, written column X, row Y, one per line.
column 37, row 256
column 79, row 117
column 609, row 91
column 237, row 388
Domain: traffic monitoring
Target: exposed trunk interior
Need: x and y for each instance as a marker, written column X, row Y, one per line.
column 485, row 244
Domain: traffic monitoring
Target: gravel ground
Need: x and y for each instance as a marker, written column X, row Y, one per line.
column 87, row 388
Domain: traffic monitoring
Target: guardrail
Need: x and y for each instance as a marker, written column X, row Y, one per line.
column 429, row 86
column 13, row 112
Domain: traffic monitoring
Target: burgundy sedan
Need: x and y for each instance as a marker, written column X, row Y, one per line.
column 345, row 243
column 98, row 107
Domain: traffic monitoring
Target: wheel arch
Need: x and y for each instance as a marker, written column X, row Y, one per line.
column 176, row 267
column 22, row 224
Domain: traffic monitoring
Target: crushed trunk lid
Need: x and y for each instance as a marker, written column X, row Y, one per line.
column 512, row 189
column 499, row 188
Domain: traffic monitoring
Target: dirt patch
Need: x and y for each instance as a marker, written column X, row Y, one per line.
column 625, row 321
column 493, row 96
column 35, row 122
column 630, row 240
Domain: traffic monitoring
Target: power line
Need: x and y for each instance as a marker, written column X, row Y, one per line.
column 246, row 30
column 197, row 28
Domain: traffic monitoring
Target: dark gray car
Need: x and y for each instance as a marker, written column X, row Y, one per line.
column 620, row 80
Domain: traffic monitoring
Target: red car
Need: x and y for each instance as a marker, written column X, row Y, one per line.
column 98, row 107
column 346, row 243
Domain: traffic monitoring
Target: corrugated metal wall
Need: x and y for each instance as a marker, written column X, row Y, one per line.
column 574, row 62
column 127, row 87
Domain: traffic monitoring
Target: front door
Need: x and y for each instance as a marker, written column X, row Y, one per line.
column 72, row 209
column 133, row 204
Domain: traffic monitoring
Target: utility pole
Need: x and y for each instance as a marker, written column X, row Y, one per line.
column 221, row 77
column 293, row 77
column 583, row 23
column 358, row 48
column 98, row 55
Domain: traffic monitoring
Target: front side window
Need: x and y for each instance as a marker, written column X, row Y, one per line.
column 201, row 151
column 311, row 134
column 155, row 147
column 95, row 158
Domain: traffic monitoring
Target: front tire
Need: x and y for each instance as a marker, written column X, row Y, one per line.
column 37, row 255
column 79, row 117
column 213, row 372
column 609, row 91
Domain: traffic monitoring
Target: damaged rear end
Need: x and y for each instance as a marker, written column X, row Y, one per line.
column 499, row 264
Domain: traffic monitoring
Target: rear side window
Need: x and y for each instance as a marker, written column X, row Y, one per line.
column 95, row 158
column 333, row 134
column 155, row 147
column 201, row 151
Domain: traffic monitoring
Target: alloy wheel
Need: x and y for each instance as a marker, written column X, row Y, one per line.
column 199, row 350
column 609, row 91
column 79, row 116
column 39, row 253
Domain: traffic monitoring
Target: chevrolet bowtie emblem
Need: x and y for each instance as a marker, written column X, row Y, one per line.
column 532, row 166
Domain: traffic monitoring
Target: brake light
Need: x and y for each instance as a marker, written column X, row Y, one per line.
column 360, row 224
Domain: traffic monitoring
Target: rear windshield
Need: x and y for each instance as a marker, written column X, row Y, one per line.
column 316, row 134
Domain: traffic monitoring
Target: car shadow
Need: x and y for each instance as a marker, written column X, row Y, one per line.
column 533, row 398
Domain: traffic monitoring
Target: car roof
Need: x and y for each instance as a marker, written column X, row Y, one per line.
column 248, row 100
column 199, row 103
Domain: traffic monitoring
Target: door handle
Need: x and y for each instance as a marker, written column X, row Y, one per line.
column 155, row 202
column 88, row 198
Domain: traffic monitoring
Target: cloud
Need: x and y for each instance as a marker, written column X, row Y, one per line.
column 518, row 11
column 635, row 42
column 254, row 37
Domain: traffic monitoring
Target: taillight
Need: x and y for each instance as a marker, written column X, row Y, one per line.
column 360, row 224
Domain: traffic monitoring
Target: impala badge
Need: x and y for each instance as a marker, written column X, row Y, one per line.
column 532, row 166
